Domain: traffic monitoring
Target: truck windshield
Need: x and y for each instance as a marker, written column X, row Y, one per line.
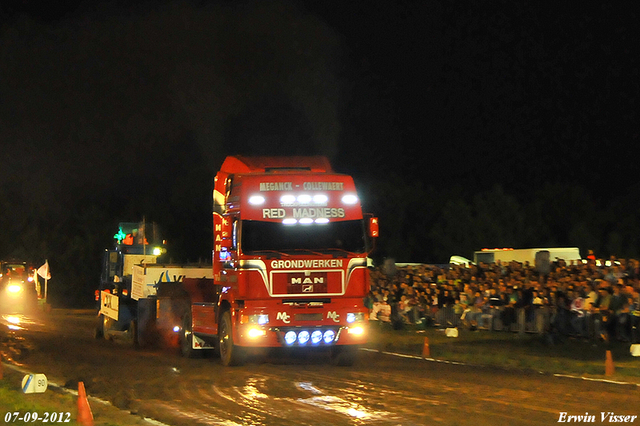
column 262, row 236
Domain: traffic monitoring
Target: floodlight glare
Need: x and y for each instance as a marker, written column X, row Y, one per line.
column 256, row 200
column 349, row 199
column 320, row 199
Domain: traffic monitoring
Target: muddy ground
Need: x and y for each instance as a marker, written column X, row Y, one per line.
column 379, row 390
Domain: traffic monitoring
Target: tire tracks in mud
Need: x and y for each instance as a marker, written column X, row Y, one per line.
column 438, row 391
column 266, row 399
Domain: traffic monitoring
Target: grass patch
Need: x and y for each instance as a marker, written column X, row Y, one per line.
column 54, row 400
column 509, row 350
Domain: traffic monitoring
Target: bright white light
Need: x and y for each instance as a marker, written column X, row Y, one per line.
column 256, row 332
column 176, row 328
column 322, row 220
column 304, row 199
column 303, row 337
column 256, row 200
column 13, row 319
column 349, row 199
column 328, row 336
column 263, row 319
column 320, row 199
column 288, row 199
column 290, row 337
column 14, row 288
column 316, row 337
column 290, row 221
column 356, row 413
column 157, row 251
column 356, row 330
column 306, row 221
column 354, row 316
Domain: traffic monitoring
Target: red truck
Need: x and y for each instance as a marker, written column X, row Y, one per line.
column 290, row 251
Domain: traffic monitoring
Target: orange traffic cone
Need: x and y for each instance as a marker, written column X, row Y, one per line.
column 426, row 352
column 609, row 368
column 85, row 416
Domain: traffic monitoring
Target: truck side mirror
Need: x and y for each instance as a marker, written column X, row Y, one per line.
column 373, row 227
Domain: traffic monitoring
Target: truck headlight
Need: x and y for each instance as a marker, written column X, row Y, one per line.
column 256, row 332
column 357, row 330
column 316, row 337
column 329, row 336
column 14, row 288
column 290, row 337
column 303, row 337
column 260, row 319
column 355, row 316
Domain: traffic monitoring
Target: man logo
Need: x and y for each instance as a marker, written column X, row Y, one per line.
column 285, row 317
column 306, row 282
column 299, row 280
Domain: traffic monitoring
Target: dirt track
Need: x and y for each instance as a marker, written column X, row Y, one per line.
column 381, row 389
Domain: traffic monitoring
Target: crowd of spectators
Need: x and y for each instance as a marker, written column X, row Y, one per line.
column 591, row 299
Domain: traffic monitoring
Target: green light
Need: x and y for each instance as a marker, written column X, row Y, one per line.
column 120, row 236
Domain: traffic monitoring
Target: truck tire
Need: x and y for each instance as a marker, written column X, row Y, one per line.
column 133, row 332
column 98, row 332
column 344, row 356
column 186, row 338
column 108, row 325
column 230, row 354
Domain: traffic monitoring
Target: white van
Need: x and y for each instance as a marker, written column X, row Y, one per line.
column 527, row 255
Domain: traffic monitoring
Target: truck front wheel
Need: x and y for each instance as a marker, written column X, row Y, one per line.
column 186, row 338
column 99, row 330
column 105, row 326
column 230, row 354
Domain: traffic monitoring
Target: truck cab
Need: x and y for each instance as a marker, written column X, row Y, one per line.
column 290, row 249
column 135, row 243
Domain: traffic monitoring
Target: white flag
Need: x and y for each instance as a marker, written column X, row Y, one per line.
column 44, row 272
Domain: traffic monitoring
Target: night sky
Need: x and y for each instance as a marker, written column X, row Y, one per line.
column 110, row 111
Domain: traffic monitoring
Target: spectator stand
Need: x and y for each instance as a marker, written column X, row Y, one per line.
column 571, row 300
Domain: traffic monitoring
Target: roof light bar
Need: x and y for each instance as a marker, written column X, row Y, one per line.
column 320, row 199
column 256, row 200
column 288, row 199
column 349, row 199
column 304, row 199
